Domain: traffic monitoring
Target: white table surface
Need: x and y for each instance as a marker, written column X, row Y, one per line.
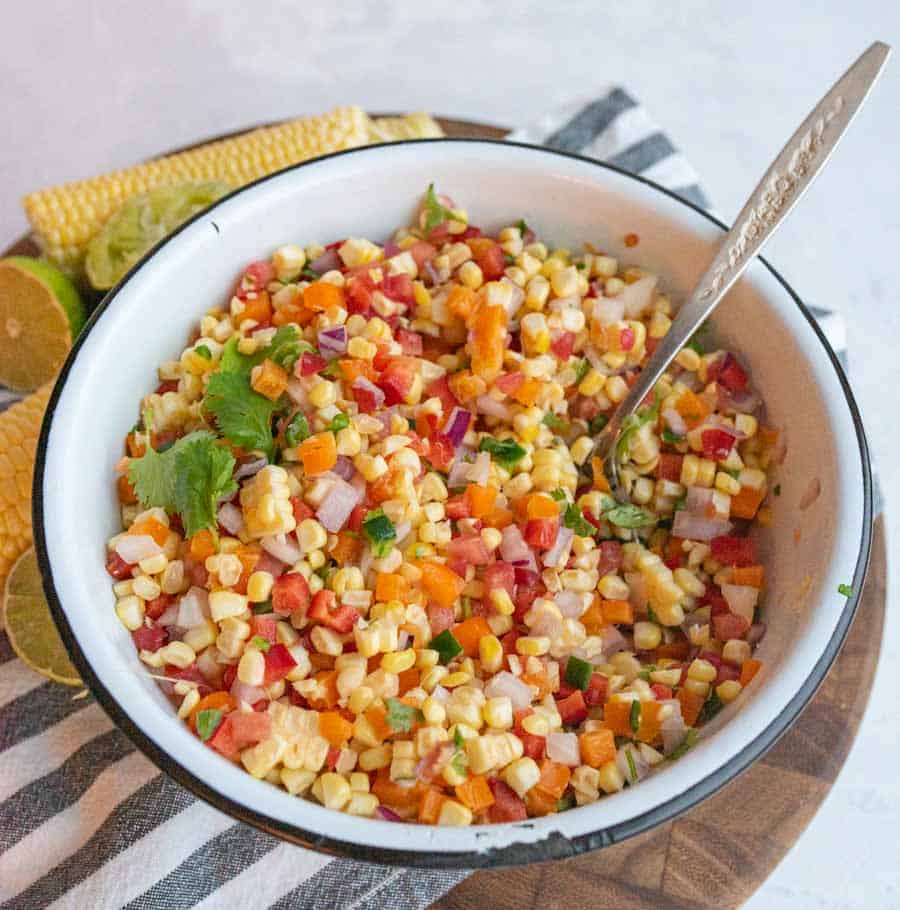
column 89, row 86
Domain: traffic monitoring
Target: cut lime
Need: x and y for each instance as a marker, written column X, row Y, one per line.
column 140, row 223
column 40, row 315
column 29, row 625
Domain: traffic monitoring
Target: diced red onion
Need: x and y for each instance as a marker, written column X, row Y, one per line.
column 432, row 273
column 333, row 341
column 641, row 768
column 343, row 467
column 458, row 474
column 231, row 518
column 743, row 402
column 696, row 528
column 480, row 469
column 327, row 262
column 366, row 385
column 699, row 501
column 672, row 726
column 297, row 392
column 283, row 548
column 638, row 296
column 547, row 623
column 755, row 633
column 504, row 683
column 613, row 641
column 268, row 563
column 514, row 549
column 569, row 603
column 811, row 495
column 608, row 310
column 741, row 600
column 441, row 694
column 675, row 421
column 133, row 548
column 563, row 748
column 559, row 552
column 337, row 505
column 457, row 425
column 492, row 407
column 249, row 694
column 249, row 468
column 193, row 608
column 517, row 295
column 391, row 249
column 387, row 815
column 169, row 617
column 402, row 531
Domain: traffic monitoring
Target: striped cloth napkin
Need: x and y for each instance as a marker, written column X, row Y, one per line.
column 87, row 822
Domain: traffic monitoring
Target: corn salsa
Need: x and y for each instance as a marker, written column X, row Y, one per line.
column 370, row 556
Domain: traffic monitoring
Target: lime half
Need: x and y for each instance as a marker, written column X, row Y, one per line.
column 40, row 315
column 141, row 222
column 30, row 627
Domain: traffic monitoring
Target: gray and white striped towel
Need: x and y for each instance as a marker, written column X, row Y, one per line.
column 87, row 822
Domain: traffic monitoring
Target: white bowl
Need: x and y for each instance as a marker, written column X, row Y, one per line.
column 368, row 192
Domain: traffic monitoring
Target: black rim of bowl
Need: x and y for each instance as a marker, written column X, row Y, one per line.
column 555, row 845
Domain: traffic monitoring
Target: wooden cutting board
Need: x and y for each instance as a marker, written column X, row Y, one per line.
column 717, row 854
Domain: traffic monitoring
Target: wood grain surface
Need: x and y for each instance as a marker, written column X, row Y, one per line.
column 717, row 854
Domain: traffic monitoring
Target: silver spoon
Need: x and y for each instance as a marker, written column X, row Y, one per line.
column 786, row 180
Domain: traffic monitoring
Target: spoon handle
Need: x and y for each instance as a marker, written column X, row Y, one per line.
column 786, row 180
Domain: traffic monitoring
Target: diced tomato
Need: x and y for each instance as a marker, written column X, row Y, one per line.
column 711, row 657
column 358, row 293
column 170, row 385
column 310, row 364
column 573, row 709
column 457, row 507
column 500, row 575
column 264, row 627
column 507, row 805
column 290, row 594
column 279, row 662
column 440, row 618
column 397, row 379
column 422, row 252
column 669, row 466
column 367, row 400
column 443, row 452
column 411, row 342
column 728, row 372
column 533, row 746
column 626, row 338
column 357, row 516
column 188, row 674
column 258, row 274
column 717, row 443
column 597, row 690
column 470, row 550
column 117, row 567
column 509, row 382
column 468, row 234
column 563, row 345
column 611, row 557
column 301, row 510
column 156, row 607
column 528, row 588
column 323, row 610
column 734, row 551
column 540, row 533
column 727, row 672
column 729, row 625
column 238, row 730
column 440, row 388
column 489, row 257
column 398, row 288
column 150, row 638
column 509, row 641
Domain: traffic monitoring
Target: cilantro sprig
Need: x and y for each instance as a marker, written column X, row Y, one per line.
column 435, row 213
column 573, row 518
column 243, row 416
column 506, row 452
column 208, row 722
column 633, row 423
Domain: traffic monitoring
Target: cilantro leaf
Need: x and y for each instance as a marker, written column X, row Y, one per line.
column 401, row 717
column 699, row 339
column 380, row 532
column 297, row 430
column 629, row 516
column 458, row 739
column 203, row 351
column 202, row 477
column 555, row 422
column 243, row 416
column 339, row 422
column 845, row 590
column 153, row 474
column 208, row 722
column 688, row 743
column 581, row 369
column 522, row 226
column 506, row 452
column 260, row 643
column 566, row 801
column 460, row 762
column 597, row 424
column 710, row 709
column 284, row 349
column 633, row 423
column 559, row 494
column 671, row 438
column 575, row 520
column 435, row 213
column 634, row 716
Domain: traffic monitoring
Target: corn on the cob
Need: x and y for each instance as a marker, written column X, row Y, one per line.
column 64, row 218
column 19, row 429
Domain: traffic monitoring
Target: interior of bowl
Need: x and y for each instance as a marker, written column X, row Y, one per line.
column 809, row 550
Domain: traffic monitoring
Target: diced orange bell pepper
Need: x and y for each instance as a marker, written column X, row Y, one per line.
column 488, row 341
column 352, row 370
column 749, row 668
column 475, row 794
column 329, row 697
column 470, row 632
column 617, row 611
column 649, row 729
column 135, row 445
column 527, row 392
column 383, row 488
column 430, row 806
column 318, row 453
column 258, row 308
column 554, row 778
column 201, row 545
column 215, row 701
column 346, row 548
column 249, row 555
column 336, row 729
column 541, row 506
column 746, row 503
column 407, row 680
column 321, row 295
column 677, row 650
column 465, row 385
column 152, row 528
column 443, row 585
column 597, row 747
column 753, row 576
column 269, row 379
column 692, row 408
column 499, row 519
column 395, row 795
column 540, row 680
column 691, row 704
column 592, row 618
column 389, row 586
column 292, row 311
column 539, row 803
column 125, row 489
column 462, row 302
column 600, row 481
column 617, row 717
column 377, row 718
column 480, row 499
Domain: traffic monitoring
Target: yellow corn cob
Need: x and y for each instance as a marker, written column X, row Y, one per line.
column 413, row 126
column 19, row 429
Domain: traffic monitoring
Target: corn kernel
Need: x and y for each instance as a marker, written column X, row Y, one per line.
column 736, row 651
column 226, row 604
column 178, row 654
column 533, row 645
column 332, row 790
column 728, row 690
column 521, row 775
column 399, row 661
column 609, row 778
column 130, row 611
column 252, row 667
column 454, row 813
column 647, row 636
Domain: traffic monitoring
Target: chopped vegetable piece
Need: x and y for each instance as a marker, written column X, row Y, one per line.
column 578, row 672
column 380, row 532
column 446, row 645
column 401, row 717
